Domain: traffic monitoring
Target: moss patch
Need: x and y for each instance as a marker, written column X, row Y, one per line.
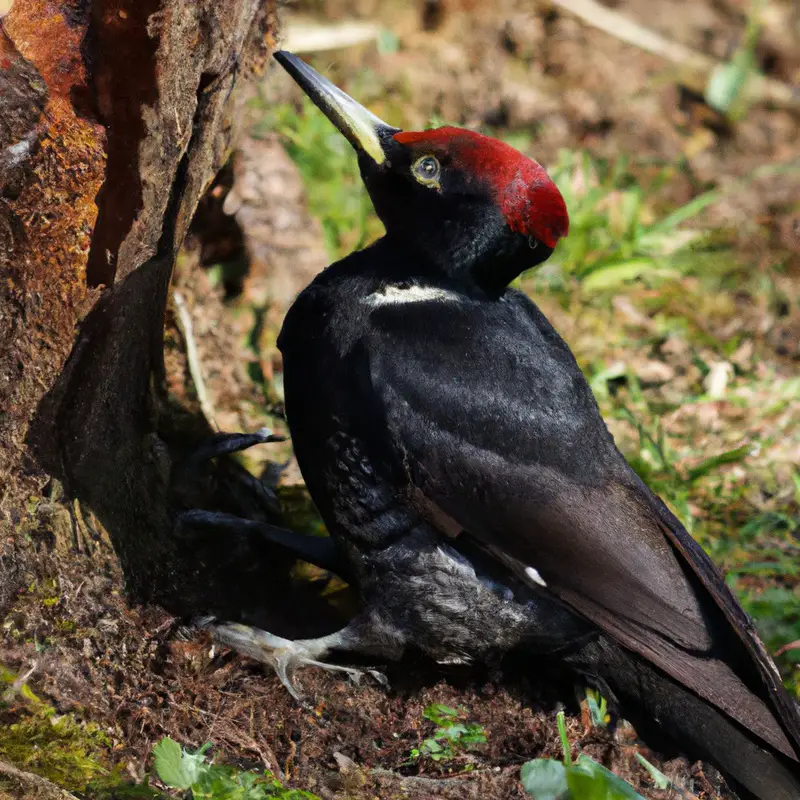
column 60, row 747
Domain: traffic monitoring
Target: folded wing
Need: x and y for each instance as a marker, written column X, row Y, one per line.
column 508, row 443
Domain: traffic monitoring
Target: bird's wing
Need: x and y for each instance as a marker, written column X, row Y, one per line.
column 492, row 421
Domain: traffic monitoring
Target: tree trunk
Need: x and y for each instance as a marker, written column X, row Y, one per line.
column 114, row 119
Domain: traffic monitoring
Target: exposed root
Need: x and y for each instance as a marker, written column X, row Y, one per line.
column 42, row 788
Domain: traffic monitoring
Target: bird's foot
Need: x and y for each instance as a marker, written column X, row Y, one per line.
column 219, row 444
column 283, row 655
column 318, row 550
column 195, row 482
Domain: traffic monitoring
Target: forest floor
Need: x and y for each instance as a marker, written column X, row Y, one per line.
column 678, row 290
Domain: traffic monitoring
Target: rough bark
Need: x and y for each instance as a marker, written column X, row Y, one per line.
column 126, row 115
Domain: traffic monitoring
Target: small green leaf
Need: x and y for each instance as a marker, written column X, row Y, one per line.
column 612, row 275
column 388, row 42
column 605, row 785
column 170, row 765
column 440, row 713
column 544, row 779
column 588, row 786
column 726, row 84
column 688, row 210
column 598, row 708
column 474, row 734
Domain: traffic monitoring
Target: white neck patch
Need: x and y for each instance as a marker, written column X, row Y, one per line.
column 396, row 295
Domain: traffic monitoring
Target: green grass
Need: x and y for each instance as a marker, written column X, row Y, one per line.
column 615, row 236
column 753, row 537
column 330, row 172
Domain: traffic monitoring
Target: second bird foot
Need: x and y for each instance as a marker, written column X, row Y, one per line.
column 283, row 655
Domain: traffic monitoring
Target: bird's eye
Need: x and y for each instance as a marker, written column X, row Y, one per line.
column 426, row 170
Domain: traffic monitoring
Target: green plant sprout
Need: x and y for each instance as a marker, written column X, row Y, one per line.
column 598, row 708
column 193, row 772
column 582, row 779
column 726, row 90
column 452, row 736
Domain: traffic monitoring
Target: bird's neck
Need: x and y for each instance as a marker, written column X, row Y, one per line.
column 473, row 262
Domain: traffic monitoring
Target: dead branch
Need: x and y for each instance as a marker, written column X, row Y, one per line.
column 184, row 320
column 44, row 788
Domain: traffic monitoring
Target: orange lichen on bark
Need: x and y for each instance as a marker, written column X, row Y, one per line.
column 49, row 34
column 54, row 213
column 57, row 206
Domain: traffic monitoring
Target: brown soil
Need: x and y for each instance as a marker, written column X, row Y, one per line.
column 141, row 675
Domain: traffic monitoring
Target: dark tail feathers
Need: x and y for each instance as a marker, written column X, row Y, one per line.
column 666, row 713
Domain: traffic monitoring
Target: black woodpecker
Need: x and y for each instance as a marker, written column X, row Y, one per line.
column 472, row 491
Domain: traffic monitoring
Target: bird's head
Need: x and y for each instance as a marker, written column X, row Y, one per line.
column 462, row 202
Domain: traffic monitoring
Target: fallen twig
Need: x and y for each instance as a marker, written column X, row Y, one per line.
column 787, row 647
column 419, row 781
column 301, row 36
column 47, row 790
column 759, row 88
column 184, row 320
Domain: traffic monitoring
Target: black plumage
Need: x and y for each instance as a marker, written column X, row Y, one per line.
column 471, row 487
